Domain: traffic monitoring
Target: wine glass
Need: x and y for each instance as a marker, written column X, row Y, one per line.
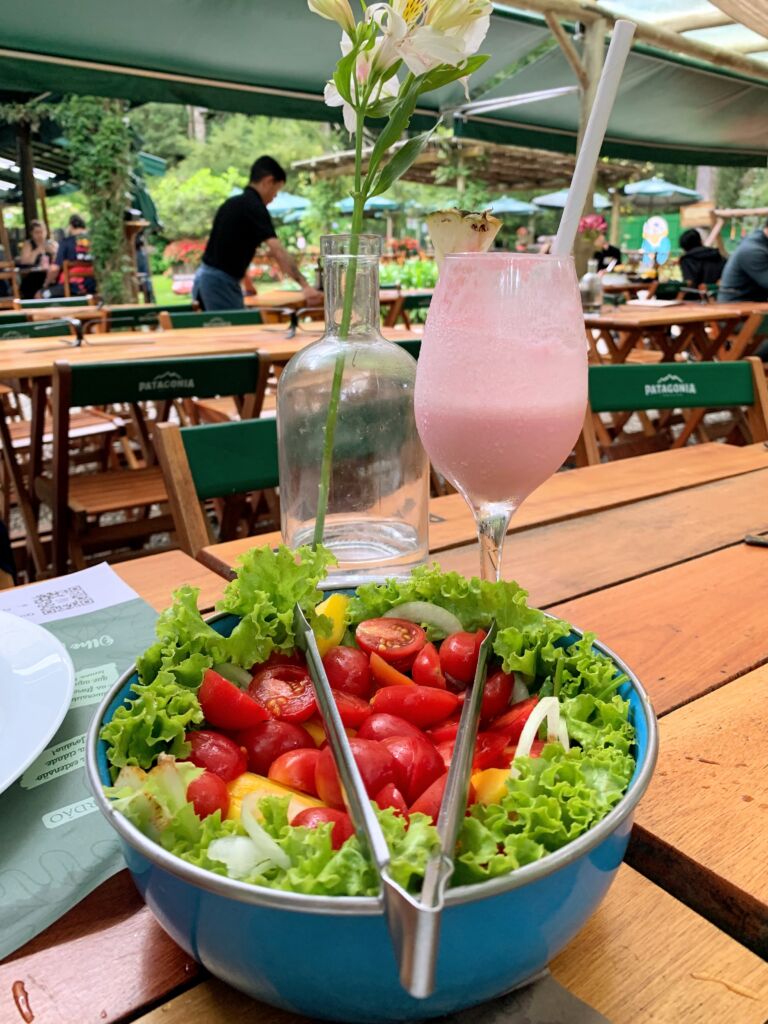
column 501, row 385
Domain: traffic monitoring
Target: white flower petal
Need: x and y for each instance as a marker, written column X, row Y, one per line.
column 350, row 119
column 331, row 95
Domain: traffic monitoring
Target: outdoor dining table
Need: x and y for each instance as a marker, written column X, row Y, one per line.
column 704, row 330
column 26, row 365
column 649, row 554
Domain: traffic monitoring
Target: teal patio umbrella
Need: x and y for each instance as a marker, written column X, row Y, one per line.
column 557, row 201
column 654, row 193
column 376, row 205
column 508, row 204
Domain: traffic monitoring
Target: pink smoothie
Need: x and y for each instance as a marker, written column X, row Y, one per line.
column 501, row 387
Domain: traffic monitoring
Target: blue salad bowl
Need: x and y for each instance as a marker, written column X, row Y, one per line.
column 331, row 957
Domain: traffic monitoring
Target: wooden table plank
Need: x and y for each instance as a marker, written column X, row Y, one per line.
column 688, row 629
column 642, row 957
column 564, row 496
column 155, row 577
column 701, row 827
column 566, row 560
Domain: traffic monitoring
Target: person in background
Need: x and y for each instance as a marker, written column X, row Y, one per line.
column 699, row 264
column 75, row 249
column 605, row 253
column 522, row 238
column 240, row 226
column 745, row 278
column 37, row 254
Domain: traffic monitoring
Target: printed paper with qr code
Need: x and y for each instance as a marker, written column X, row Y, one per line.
column 60, row 848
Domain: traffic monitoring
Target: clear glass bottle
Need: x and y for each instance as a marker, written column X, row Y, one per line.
column 591, row 288
column 377, row 516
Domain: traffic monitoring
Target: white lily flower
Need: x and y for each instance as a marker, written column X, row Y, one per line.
column 368, row 62
column 334, row 10
column 427, row 33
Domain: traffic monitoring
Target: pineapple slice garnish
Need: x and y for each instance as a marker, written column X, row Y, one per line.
column 461, row 231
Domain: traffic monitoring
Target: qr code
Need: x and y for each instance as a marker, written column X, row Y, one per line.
column 54, row 602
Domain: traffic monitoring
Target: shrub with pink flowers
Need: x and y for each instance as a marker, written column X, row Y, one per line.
column 592, row 225
column 184, row 255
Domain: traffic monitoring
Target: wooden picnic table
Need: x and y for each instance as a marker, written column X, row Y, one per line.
column 645, row 955
column 703, row 329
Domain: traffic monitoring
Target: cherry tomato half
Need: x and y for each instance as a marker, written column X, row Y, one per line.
column 218, row 753
column 296, row 769
column 285, row 691
column 226, row 706
column 421, row 705
column 445, row 730
column 207, row 794
column 376, row 764
column 511, row 723
column 418, row 764
column 429, row 801
column 426, row 668
column 341, row 830
column 390, row 796
column 353, row 710
column 496, row 695
column 266, row 741
column 348, row 670
column 458, row 655
column 490, row 751
column 397, row 641
column 378, row 726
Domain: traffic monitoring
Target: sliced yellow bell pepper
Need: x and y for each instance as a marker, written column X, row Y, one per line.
column 317, row 732
column 335, row 608
column 249, row 782
column 490, row 785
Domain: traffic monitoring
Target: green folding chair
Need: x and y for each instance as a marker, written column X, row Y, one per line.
column 79, row 501
column 221, row 318
column 692, row 388
column 40, row 329
column 411, row 345
column 216, row 460
column 145, row 316
column 74, row 300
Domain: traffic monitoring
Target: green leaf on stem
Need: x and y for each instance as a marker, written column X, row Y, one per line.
column 446, row 73
column 382, row 108
column 342, row 76
column 400, row 162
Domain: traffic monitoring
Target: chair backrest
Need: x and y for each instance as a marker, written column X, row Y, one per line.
column 41, row 329
column 213, row 461
column 411, row 345
column 77, row 300
column 220, row 318
column 144, row 316
column 137, row 381
column 638, row 387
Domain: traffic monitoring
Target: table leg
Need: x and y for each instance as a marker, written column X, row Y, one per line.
column 28, row 514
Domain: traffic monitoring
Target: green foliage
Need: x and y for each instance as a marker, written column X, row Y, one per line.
column 100, row 146
column 187, row 205
column 162, row 129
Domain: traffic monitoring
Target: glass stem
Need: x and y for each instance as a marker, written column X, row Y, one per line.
column 492, row 524
column 324, row 486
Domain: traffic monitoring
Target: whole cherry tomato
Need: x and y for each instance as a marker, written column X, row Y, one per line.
column 390, row 796
column 285, row 691
column 421, row 705
column 426, row 668
column 218, row 753
column 342, row 828
column 379, row 725
column 511, row 723
column 397, row 641
column 208, row 793
column 444, row 730
column 418, row 764
column 458, row 655
column 376, row 764
column 429, row 801
column 348, row 671
column 296, row 769
column 496, row 695
column 266, row 741
column 225, row 705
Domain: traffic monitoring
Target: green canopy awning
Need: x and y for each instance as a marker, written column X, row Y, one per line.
column 274, row 59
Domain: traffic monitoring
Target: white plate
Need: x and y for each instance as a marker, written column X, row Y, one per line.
column 36, row 683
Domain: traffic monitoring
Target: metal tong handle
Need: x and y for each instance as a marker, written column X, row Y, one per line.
column 421, row 969
column 400, row 908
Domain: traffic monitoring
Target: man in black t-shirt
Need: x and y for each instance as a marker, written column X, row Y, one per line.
column 240, row 226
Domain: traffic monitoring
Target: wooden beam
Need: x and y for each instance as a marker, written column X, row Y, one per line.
column 647, row 32
column 568, row 49
column 755, row 211
column 752, row 13
column 690, row 22
column 26, row 173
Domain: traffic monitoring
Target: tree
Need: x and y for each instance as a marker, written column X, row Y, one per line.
column 99, row 137
column 162, row 130
column 186, row 206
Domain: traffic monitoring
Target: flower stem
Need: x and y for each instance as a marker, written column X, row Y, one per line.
column 346, row 320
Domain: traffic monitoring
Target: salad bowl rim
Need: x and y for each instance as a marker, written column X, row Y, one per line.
column 255, row 895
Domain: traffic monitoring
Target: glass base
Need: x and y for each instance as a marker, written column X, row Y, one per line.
column 367, row 549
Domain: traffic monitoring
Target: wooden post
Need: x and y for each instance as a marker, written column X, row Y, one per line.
column 28, row 184
column 614, row 238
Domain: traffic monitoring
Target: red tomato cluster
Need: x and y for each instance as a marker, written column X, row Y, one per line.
column 403, row 726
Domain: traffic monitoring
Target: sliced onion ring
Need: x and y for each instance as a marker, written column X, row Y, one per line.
column 427, row 614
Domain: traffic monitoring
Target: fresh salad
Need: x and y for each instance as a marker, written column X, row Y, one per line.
column 219, row 754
